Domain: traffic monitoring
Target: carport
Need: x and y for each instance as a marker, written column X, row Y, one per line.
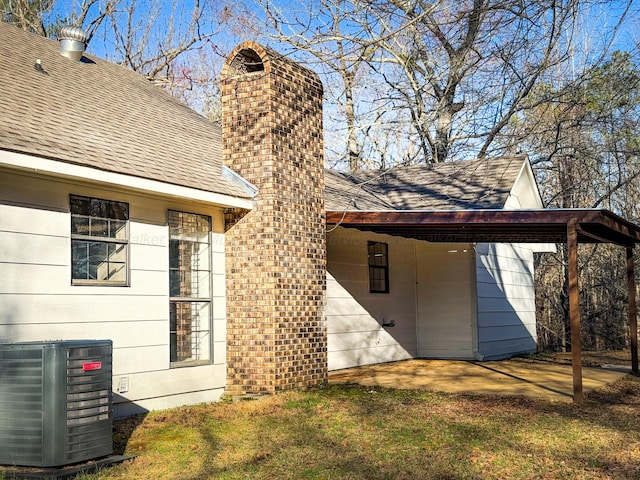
column 569, row 226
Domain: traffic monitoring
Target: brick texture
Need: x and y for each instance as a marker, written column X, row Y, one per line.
column 276, row 256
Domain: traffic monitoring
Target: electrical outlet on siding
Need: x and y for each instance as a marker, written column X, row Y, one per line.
column 123, row 385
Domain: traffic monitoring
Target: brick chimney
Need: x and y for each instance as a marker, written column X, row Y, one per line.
column 276, row 255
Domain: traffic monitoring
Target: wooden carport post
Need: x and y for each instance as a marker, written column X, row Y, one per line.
column 574, row 309
column 633, row 312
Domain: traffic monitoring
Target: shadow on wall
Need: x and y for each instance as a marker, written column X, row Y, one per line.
column 124, row 407
column 9, row 315
column 357, row 336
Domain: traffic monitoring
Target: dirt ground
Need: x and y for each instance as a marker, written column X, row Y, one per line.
column 544, row 375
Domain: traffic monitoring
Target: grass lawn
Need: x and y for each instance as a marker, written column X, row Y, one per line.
column 353, row 432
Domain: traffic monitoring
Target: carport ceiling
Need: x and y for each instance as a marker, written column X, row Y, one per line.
column 510, row 226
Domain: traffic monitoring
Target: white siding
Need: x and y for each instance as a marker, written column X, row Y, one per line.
column 355, row 316
column 446, row 302
column 38, row 302
column 506, row 300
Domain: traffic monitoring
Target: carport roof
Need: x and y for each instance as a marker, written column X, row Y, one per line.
column 511, row 226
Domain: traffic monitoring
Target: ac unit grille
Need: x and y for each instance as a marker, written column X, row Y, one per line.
column 55, row 402
column 21, row 406
column 89, row 408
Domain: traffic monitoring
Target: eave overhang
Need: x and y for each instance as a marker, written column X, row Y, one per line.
column 56, row 168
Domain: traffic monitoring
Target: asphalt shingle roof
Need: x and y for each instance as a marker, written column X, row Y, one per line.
column 98, row 114
column 459, row 185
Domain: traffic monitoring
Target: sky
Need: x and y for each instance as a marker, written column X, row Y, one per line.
column 205, row 64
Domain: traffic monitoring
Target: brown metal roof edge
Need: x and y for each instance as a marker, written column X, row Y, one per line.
column 548, row 225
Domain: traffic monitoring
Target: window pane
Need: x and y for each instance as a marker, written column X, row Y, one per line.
column 173, row 253
column 175, row 224
column 80, row 260
column 174, row 283
column 99, row 227
column 203, row 281
column 194, row 283
column 80, row 206
column 117, row 272
column 80, row 225
column 97, row 252
column 118, row 229
column 119, row 211
column 203, row 255
column 98, row 208
column 117, row 253
column 98, row 269
column 190, row 338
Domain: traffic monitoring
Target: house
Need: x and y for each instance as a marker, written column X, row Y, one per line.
column 107, row 185
column 391, row 297
column 124, row 216
column 214, row 257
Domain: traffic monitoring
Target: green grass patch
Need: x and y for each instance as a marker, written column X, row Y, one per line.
column 357, row 433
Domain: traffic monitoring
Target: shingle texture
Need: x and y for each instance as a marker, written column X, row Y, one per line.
column 461, row 185
column 101, row 115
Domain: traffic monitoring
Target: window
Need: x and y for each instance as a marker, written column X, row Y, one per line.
column 189, row 287
column 99, row 241
column 378, row 267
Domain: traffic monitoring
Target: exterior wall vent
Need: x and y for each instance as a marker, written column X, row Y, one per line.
column 73, row 41
column 55, row 402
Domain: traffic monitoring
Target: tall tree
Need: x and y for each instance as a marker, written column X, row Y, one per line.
column 587, row 142
column 321, row 32
column 464, row 69
column 43, row 18
column 455, row 73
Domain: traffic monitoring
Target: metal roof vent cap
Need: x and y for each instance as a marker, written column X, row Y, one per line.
column 73, row 41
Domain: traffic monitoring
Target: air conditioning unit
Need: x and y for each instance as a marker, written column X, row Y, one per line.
column 55, row 402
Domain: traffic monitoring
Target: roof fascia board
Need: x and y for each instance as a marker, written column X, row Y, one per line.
column 56, row 168
column 620, row 231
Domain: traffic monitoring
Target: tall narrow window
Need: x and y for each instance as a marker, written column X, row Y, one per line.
column 99, row 241
column 189, row 287
column 378, row 267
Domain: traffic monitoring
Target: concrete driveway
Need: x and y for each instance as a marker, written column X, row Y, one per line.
column 505, row 377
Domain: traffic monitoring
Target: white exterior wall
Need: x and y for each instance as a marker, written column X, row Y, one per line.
column 38, row 302
column 506, row 300
column 431, row 299
column 355, row 316
column 506, row 290
column 446, row 300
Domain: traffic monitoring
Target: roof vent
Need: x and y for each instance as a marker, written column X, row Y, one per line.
column 73, row 41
